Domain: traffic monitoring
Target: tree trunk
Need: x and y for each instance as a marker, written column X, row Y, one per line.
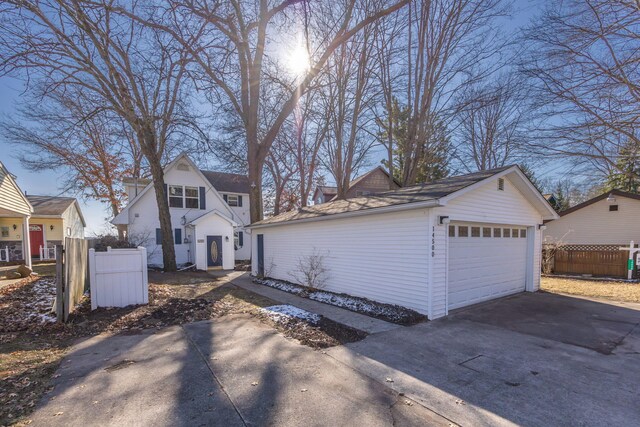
column 255, row 182
column 168, row 248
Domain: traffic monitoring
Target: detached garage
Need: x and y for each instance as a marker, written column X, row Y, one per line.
column 432, row 247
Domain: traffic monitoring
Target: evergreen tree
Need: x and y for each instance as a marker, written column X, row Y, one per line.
column 528, row 171
column 626, row 176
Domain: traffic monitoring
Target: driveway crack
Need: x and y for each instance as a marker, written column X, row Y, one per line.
column 213, row 374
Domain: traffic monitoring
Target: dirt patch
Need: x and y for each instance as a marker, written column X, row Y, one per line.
column 613, row 290
column 387, row 312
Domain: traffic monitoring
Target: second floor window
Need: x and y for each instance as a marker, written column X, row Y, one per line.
column 184, row 197
column 232, row 200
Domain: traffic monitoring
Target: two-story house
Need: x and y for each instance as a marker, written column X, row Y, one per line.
column 209, row 211
column 373, row 182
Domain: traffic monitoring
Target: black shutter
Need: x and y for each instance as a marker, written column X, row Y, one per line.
column 178, row 236
column 203, row 199
column 166, row 192
column 239, row 200
column 240, row 238
column 224, row 196
column 158, row 236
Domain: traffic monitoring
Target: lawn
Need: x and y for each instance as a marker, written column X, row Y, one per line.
column 613, row 290
column 32, row 344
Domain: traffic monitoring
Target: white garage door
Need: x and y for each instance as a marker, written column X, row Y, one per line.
column 485, row 262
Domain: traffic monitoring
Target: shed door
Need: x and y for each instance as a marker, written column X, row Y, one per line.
column 485, row 261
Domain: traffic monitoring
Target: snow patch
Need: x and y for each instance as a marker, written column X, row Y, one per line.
column 284, row 313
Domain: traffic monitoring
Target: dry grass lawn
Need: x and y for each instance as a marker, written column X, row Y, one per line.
column 617, row 291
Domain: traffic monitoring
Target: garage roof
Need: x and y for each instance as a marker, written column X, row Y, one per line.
column 422, row 193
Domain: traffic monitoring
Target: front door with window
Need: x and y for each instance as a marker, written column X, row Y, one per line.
column 214, row 251
column 36, row 235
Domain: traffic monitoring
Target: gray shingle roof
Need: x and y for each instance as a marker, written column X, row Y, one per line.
column 228, row 182
column 405, row 195
column 50, row 205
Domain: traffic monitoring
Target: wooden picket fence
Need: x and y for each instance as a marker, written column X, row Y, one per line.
column 596, row 260
column 72, row 275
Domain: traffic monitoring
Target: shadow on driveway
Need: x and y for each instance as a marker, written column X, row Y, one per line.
column 531, row 359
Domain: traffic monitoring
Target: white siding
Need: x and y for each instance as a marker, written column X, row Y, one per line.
column 11, row 198
column 595, row 225
column 214, row 226
column 71, row 218
column 382, row 257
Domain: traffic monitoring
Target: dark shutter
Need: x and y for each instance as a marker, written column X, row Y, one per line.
column 178, row 236
column 166, row 192
column 203, row 199
column 158, row 236
column 224, row 196
column 240, row 238
column 239, row 200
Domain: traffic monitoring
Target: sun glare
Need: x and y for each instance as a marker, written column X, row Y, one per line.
column 298, row 60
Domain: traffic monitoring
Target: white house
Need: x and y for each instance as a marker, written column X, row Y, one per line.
column 209, row 211
column 432, row 247
column 611, row 218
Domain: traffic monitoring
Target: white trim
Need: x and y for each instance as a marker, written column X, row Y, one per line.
column 371, row 211
column 195, row 221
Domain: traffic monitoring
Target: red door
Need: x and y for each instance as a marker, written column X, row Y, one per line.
column 37, row 239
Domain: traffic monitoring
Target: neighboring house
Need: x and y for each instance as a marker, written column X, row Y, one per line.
column 612, row 218
column 372, row 182
column 552, row 200
column 48, row 220
column 208, row 213
column 432, row 247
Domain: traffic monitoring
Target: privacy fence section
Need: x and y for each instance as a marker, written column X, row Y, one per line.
column 118, row 277
column 71, row 275
column 596, row 260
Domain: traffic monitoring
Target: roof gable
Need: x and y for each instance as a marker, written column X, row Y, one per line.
column 596, row 199
column 9, row 188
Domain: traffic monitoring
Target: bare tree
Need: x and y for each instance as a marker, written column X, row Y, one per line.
column 492, row 124
column 583, row 64
column 232, row 41
column 348, row 94
column 95, row 151
column 135, row 72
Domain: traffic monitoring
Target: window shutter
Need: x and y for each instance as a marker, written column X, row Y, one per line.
column 240, row 203
column 166, row 191
column 240, row 238
column 158, row 236
column 178, row 236
column 224, row 196
column 203, row 199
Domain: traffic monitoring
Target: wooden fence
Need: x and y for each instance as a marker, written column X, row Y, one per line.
column 71, row 275
column 596, row 260
column 118, row 277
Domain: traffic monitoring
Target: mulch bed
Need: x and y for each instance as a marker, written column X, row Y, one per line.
column 387, row 312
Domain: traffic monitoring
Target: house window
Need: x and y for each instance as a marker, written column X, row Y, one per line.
column 191, row 198
column 176, row 193
column 523, row 232
column 500, row 184
column 486, row 231
column 506, row 232
column 475, row 231
column 232, row 200
column 463, row 231
column 4, row 231
column 515, row 232
column 238, row 238
column 613, row 208
column 497, row 232
column 452, row 231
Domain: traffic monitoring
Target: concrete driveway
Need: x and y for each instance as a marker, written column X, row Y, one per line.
column 232, row 371
column 532, row 359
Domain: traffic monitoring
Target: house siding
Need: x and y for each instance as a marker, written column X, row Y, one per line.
column 11, row 198
column 376, row 182
column 595, row 225
column 393, row 268
column 71, row 218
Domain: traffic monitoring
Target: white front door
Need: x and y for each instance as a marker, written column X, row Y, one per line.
column 486, row 261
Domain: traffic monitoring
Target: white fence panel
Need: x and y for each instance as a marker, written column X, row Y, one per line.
column 118, row 277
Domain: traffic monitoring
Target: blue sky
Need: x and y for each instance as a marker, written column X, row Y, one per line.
column 48, row 182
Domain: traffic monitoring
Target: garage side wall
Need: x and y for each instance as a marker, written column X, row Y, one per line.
column 381, row 257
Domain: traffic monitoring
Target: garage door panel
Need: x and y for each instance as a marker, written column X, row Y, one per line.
column 483, row 268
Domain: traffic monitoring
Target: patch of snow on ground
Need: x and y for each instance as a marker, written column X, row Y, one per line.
column 39, row 308
column 284, row 313
column 287, row 287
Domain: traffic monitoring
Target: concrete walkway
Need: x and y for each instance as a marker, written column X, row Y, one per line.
column 232, row 371
column 355, row 320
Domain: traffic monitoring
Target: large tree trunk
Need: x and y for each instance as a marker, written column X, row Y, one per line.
column 255, row 163
column 168, row 248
